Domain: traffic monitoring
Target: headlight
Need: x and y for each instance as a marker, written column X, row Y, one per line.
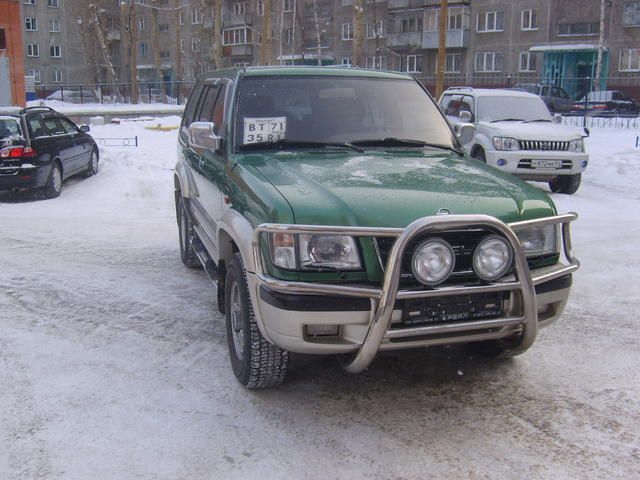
column 492, row 258
column 314, row 251
column 576, row 146
column 505, row 143
column 537, row 241
column 433, row 261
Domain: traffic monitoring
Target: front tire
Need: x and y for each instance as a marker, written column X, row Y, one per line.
column 256, row 363
column 53, row 187
column 186, row 235
column 567, row 184
column 479, row 155
column 92, row 166
column 499, row 348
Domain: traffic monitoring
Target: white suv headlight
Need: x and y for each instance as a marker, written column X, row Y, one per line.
column 313, row 252
column 576, row 146
column 505, row 143
column 538, row 241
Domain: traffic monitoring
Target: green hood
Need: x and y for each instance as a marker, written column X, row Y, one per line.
column 393, row 188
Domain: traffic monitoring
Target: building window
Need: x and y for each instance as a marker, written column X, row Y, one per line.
column 236, row 36
column 52, row 3
column 141, row 24
column 33, row 50
column 529, row 19
column 490, row 22
column 287, row 35
column 568, row 29
column 29, row 2
column 165, row 54
column 375, row 30
column 195, row 45
column 31, row 24
column 527, row 62
column 35, row 74
column 260, row 8
column 56, row 76
column 347, row 31
column 54, row 25
column 3, row 39
column 411, row 24
column 411, row 63
column 287, row 5
column 182, row 46
column 196, row 16
column 163, row 27
column 375, row 63
column 629, row 60
column 143, row 49
column 241, row 64
column 346, row 61
column 240, row 8
column 631, row 14
column 56, row 51
column 489, row 62
column 453, row 63
column 181, row 19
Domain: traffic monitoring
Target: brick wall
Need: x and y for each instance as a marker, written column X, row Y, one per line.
column 11, row 23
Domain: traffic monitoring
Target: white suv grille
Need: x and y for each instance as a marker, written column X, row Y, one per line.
column 543, row 145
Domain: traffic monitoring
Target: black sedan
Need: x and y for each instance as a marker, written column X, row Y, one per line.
column 606, row 103
column 40, row 148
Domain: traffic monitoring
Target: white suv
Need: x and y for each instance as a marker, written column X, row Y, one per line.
column 516, row 133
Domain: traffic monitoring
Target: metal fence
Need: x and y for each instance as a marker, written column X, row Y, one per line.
column 175, row 93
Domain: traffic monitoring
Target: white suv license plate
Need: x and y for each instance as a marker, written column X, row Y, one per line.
column 546, row 163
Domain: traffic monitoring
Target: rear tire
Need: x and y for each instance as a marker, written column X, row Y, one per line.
column 53, row 187
column 256, row 363
column 567, row 184
column 186, row 235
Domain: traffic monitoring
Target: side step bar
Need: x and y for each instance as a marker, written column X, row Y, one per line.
column 207, row 262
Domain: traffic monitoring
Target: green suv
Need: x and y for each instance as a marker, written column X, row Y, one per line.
column 337, row 213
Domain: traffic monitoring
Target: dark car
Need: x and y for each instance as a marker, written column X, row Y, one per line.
column 607, row 103
column 556, row 99
column 39, row 148
column 74, row 96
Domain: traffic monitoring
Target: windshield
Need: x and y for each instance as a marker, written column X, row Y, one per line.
column 9, row 128
column 503, row 107
column 336, row 110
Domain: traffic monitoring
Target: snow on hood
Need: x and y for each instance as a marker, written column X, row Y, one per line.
column 535, row 130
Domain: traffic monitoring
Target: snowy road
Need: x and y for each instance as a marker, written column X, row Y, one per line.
column 113, row 362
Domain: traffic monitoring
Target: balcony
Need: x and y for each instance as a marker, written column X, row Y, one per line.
column 404, row 39
column 113, row 35
column 238, row 50
column 455, row 39
column 233, row 20
column 399, row 4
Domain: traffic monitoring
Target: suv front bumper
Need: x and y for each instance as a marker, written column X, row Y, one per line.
column 368, row 317
column 518, row 162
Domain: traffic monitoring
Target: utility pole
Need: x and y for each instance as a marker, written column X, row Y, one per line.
column 156, row 48
column 266, row 47
column 442, row 47
column 358, row 33
column 178, row 75
column 318, row 37
column 217, row 33
column 603, row 8
column 133, row 45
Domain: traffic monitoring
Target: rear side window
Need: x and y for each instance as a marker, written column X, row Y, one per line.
column 208, row 101
column 36, row 127
column 192, row 105
column 53, row 126
column 452, row 105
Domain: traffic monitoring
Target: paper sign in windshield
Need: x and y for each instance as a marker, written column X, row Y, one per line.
column 264, row 129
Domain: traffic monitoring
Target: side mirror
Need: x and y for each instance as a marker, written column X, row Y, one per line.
column 202, row 137
column 465, row 116
column 586, row 132
column 84, row 128
column 557, row 118
column 465, row 132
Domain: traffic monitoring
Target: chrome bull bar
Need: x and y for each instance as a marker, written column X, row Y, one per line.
column 383, row 299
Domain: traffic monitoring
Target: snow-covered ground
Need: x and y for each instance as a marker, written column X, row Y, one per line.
column 113, row 361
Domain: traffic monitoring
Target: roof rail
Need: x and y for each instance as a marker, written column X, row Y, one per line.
column 460, row 88
column 43, row 107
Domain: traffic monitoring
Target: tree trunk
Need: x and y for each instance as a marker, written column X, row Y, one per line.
column 266, row 47
column 105, row 52
column 603, row 8
column 156, row 50
column 133, row 45
column 217, row 34
column 318, row 36
column 358, row 33
column 178, row 75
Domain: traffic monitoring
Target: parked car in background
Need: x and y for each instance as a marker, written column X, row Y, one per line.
column 554, row 97
column 516, row 133
column 607, row 103
column 339, row 214
column 74, row 96
column 40, row 148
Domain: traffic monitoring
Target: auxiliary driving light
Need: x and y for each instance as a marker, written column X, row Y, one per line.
column 492, row 258
column 433, row 261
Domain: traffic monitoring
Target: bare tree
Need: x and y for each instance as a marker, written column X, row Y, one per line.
column 217, row 34
column 316, row 23
column 94, row 21
column 358, row 33
column 266, row 53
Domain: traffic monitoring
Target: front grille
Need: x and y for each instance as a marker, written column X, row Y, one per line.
column 526, row 163
column 463, row 244
column 546, row 145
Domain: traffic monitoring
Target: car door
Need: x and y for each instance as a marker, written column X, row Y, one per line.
column 60, row 143
column 78, row 150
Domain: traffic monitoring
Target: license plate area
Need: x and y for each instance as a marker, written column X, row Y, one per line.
column 546, row 164
column 459, row 308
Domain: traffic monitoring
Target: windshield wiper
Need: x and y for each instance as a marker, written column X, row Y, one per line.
column 538, row 120
column 283, row 142
column 508, row 120
column 393, row 141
